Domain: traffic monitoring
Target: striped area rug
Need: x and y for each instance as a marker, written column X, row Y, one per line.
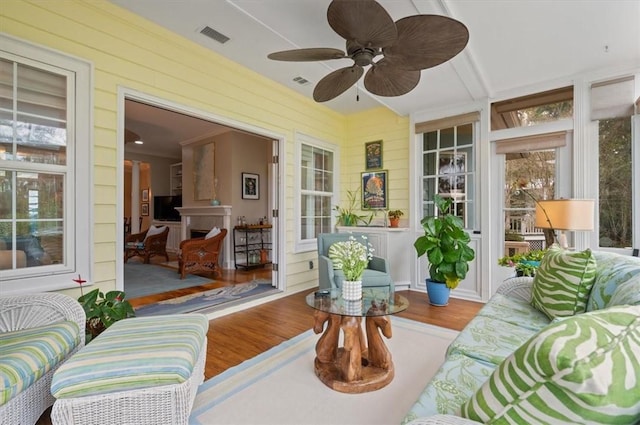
column 279, row 386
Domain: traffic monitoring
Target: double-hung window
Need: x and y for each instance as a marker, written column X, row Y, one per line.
column 44, row 168
column 317, row 162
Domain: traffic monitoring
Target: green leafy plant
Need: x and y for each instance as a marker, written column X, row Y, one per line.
column 102, row 310
column 347, row 215
column 525, row 263
column 446, row 244
column 395, row 213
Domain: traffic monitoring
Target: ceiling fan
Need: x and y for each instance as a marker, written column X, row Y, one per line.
column 406, row 46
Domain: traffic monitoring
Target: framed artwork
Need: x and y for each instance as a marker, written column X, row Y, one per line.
column 145, row 195
column 145, row 209
column 451, row 174
column 374, row 190
column 373, row 155
column 250, row 186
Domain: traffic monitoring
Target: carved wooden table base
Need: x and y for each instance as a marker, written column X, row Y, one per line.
column 354, row 367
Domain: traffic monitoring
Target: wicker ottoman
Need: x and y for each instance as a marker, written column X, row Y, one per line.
column 139, row 371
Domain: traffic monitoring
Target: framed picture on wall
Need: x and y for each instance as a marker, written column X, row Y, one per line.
column 145, row 195
column 250, row 186
column 374, row 190
column 373, row 155
column 145, row 210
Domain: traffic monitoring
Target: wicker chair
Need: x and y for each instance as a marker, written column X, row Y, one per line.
column 29, row 311
column 200, row 254
column 140, row 245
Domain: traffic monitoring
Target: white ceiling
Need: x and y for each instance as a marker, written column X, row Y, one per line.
column 511, row 43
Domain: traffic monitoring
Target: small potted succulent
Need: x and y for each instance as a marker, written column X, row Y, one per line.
column 446, row 244
column 394, row 217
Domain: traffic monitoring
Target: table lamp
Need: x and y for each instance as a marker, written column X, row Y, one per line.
column 565, row 214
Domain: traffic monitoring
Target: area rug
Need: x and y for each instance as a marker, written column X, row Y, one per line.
column 208, row 299
column 147, row 279
column 280, row 387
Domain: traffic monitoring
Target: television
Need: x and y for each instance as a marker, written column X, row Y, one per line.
column 164, row 208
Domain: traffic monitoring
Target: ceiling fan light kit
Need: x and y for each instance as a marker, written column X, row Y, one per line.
column 407, row 46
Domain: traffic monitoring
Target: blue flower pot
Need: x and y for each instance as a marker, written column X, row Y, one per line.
column 438, row 293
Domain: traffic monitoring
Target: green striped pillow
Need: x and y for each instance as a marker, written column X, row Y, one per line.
column 583, row 369
column 563, row 281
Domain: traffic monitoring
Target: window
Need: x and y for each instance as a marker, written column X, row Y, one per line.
column 41, row 208
column 612, row 108
column 534, row 109
column 448, row 169
column 316, row 189
column 615, row 194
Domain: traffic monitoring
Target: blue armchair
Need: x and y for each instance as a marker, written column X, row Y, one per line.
column 377, row 272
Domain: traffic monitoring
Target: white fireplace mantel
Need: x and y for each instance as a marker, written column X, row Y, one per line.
column 223, row 211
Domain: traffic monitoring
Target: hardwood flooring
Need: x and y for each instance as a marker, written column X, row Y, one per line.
column 240, row 336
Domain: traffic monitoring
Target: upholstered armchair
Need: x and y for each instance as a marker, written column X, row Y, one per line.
column 152, row 241
column 377, row 272
column 201, row 254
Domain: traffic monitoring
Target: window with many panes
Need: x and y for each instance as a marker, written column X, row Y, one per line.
column 40, row 201
column 448, row 169
column 317, row 166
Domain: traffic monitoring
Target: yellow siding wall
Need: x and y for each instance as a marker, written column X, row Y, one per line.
column 129, row 51
column 393, row 130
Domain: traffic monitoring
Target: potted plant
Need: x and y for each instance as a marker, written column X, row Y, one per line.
column 525, row 263
column 102, row 310
column 446, row 244
column 347, row 216
column 394, row 217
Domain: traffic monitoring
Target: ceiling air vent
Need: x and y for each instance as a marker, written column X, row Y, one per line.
column 301, row 81
column 217, row 36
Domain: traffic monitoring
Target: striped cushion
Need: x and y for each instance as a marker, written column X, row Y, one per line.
column 583, row 369
column 28, row 354
column 134, row 353
column 563, row 282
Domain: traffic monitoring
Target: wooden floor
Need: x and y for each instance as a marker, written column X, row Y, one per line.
column 240, row 336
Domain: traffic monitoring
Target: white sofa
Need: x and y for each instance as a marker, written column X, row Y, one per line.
column 50, row 328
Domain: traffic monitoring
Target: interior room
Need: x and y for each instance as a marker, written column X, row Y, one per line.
column 502, row 134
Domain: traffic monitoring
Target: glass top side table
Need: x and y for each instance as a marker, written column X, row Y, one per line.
column 362, row 364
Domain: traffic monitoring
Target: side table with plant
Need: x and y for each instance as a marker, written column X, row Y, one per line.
column 102, row 310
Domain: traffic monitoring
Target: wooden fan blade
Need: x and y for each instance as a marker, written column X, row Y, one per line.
column 362, row 21
column 336, row 83
column 308, row 55
column 385, row 79
column 425, row 41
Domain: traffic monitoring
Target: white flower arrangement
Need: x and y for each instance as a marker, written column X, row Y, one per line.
column 351, row 257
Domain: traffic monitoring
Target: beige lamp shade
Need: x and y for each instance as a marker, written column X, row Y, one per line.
column 565, row 214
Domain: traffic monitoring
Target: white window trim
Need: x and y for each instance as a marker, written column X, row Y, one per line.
column 78, row 202
column 306, row 245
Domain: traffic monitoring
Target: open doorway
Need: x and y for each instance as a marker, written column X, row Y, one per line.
column 174, row 140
